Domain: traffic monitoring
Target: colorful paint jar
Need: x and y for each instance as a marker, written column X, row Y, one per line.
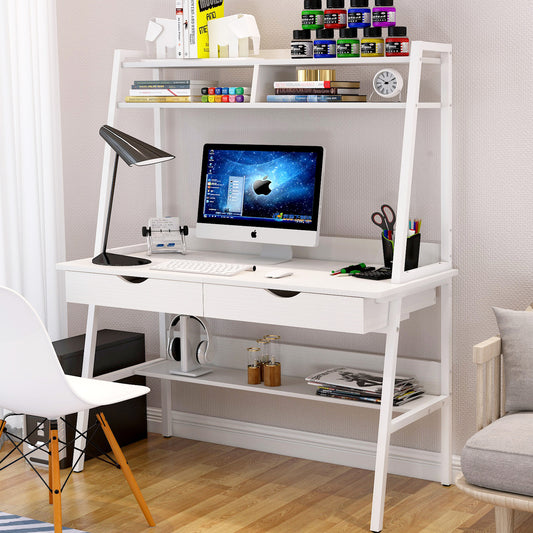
column 335, row 16
column 325, row 46
column 397, row 43
column 384, row 14
column 372, row 44
column 312, row 15
column 301, row 44
column 348, row 44
column 359, row 14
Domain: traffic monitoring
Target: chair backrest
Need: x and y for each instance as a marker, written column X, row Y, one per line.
column 33, row 381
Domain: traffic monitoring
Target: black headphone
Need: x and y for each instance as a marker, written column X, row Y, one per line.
column 173, row 343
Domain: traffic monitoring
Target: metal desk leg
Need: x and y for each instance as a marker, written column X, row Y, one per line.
column 385, row 416
column 86, row 372
column 166, row 408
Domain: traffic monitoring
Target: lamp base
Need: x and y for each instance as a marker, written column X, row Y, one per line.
column 108, row 259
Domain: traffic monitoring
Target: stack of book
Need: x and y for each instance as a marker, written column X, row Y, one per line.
column 360, row 385
column 316, row 91
column 178, row 91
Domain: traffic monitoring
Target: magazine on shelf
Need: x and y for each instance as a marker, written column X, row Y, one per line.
column 346, row 395
column 352, row 378
column 354, row 384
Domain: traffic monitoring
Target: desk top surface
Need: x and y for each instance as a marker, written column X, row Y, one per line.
column 309, row 275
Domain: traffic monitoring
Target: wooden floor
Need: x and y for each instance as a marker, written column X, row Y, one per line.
column 193, row 486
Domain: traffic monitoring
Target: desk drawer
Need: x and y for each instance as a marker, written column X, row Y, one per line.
column 159, row 295
column 303, row 310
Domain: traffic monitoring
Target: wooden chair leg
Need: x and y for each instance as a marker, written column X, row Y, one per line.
column 50, row 480
column 53, row 467
column 504, row 520
column 121, row 460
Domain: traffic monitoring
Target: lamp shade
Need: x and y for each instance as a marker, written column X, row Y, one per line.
column 131, row 150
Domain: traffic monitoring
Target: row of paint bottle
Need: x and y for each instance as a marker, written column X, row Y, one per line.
column 335, row 17
column 348, row 44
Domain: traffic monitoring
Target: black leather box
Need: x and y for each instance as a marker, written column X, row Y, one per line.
column 114, row 350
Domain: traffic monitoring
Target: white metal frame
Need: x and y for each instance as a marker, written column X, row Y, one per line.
column 264, row 72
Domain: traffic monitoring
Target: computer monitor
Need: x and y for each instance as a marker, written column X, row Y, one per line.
column 269, row 194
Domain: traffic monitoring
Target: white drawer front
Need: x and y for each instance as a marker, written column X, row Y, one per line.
column 157, row 295
column 304, row 310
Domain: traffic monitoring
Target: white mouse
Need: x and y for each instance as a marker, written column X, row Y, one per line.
column 278, row 274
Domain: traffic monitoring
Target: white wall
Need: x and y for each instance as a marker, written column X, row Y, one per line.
column 492, row 180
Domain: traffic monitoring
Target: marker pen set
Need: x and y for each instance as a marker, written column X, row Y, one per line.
column 231, row 95
column 348, row 22
column 414, row 226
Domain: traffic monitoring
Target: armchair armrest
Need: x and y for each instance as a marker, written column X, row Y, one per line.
column 489, row 388
column 487, row 350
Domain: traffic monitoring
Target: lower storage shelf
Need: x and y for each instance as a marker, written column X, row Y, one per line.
column 292, row 387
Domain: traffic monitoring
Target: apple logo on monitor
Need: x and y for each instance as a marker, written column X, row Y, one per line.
column 262, row 186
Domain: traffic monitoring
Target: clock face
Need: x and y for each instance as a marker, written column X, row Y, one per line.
column 388, row 83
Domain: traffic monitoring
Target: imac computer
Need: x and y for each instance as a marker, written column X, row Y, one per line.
column 267, row 194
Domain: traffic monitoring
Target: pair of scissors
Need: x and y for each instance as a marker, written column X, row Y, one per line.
column 386, row 219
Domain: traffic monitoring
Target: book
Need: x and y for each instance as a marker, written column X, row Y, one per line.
column 314, row 90
column 198, row 13
column 354, row 384
column 325, row 84
column 179, row 29
column 160, row 99
column 352, row 378
column 332, row 393
column 171, row 84
column 186, row 19
column 167, row 92
column 303, row 98
column 191, row 49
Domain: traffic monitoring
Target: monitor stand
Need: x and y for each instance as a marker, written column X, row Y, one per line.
column 272, row 254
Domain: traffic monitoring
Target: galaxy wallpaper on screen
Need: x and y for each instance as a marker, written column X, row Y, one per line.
column 275, row 183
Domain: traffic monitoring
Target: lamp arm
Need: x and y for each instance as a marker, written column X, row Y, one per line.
column 110, row 206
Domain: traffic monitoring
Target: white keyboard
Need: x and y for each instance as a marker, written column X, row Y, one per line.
column 202, row 267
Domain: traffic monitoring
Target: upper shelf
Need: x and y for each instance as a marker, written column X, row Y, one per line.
column 268, row 58
column 284, row 105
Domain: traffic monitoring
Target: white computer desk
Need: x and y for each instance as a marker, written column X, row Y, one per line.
column 310, row 298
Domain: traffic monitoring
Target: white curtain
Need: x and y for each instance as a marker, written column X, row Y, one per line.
column 31, row 183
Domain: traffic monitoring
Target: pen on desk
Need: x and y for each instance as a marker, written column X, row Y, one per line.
column 348, row 269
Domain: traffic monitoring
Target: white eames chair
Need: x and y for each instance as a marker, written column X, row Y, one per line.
column 33, row 383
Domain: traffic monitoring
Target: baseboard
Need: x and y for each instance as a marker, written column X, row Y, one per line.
column 305, row 445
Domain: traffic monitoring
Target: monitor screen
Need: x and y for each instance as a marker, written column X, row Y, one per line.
column 247, row 190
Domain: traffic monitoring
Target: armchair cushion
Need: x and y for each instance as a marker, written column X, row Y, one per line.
column 516, row 330
column 500, row 456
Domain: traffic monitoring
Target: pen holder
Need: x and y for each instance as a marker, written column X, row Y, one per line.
column 412, row 251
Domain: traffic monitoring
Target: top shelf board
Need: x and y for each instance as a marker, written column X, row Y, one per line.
column 268, row 58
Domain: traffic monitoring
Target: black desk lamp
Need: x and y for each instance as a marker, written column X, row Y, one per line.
column 132, row 152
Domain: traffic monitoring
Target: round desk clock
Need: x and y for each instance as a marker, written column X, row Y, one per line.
column 388, row 83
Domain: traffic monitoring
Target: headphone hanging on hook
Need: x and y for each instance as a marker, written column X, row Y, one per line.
column 200, row 352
